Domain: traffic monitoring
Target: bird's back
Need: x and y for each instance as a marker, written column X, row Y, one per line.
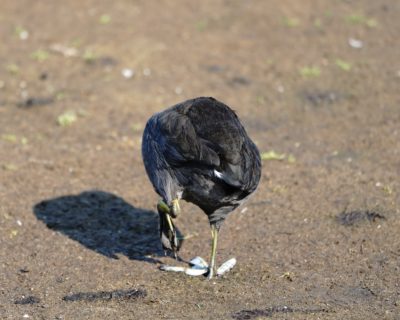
column 204, row 152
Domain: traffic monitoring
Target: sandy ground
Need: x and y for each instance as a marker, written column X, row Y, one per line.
column 317, row 82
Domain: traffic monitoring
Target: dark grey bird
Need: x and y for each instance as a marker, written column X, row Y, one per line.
column 199, row 151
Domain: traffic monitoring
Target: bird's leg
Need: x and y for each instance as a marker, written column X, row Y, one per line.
column 214, row 235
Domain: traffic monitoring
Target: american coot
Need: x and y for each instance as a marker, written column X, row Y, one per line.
column 199, row 151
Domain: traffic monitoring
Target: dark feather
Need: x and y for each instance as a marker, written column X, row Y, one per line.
column 199, row 149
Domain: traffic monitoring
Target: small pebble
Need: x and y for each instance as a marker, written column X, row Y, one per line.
column 24, row 94
column 146, row 72
column 280, row 89
column 25, row 315
column 356, row 44
column 64, row 50
column 23, row 35
column 178, row 90
column 127, row 73
column 19, row 222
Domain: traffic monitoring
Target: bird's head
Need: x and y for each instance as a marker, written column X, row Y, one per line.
column 168, row 234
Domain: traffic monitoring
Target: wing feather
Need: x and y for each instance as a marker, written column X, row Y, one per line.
column 204, row 132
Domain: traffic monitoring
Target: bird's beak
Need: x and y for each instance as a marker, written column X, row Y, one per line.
column 168, row 235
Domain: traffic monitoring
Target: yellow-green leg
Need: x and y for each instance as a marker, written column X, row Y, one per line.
column 214, row 235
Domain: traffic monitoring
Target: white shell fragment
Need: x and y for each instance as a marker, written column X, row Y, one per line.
column 198, row 263
column 189, row 271
column 200, row 267
column 165, row 267
column 226, row 266
column 196, row 272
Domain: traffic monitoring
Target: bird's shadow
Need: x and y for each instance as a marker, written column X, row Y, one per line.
column 105, row 223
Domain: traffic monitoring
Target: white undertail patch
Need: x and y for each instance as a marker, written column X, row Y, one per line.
column 218, row 174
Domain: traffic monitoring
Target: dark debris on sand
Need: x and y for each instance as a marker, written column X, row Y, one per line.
column 131, row 294
column 269, row 312
column 357, row 216
column 27, row 300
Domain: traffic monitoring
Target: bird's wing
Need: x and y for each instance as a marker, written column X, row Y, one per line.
column 208, row 135
column 218, row 124
column 183, row 145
